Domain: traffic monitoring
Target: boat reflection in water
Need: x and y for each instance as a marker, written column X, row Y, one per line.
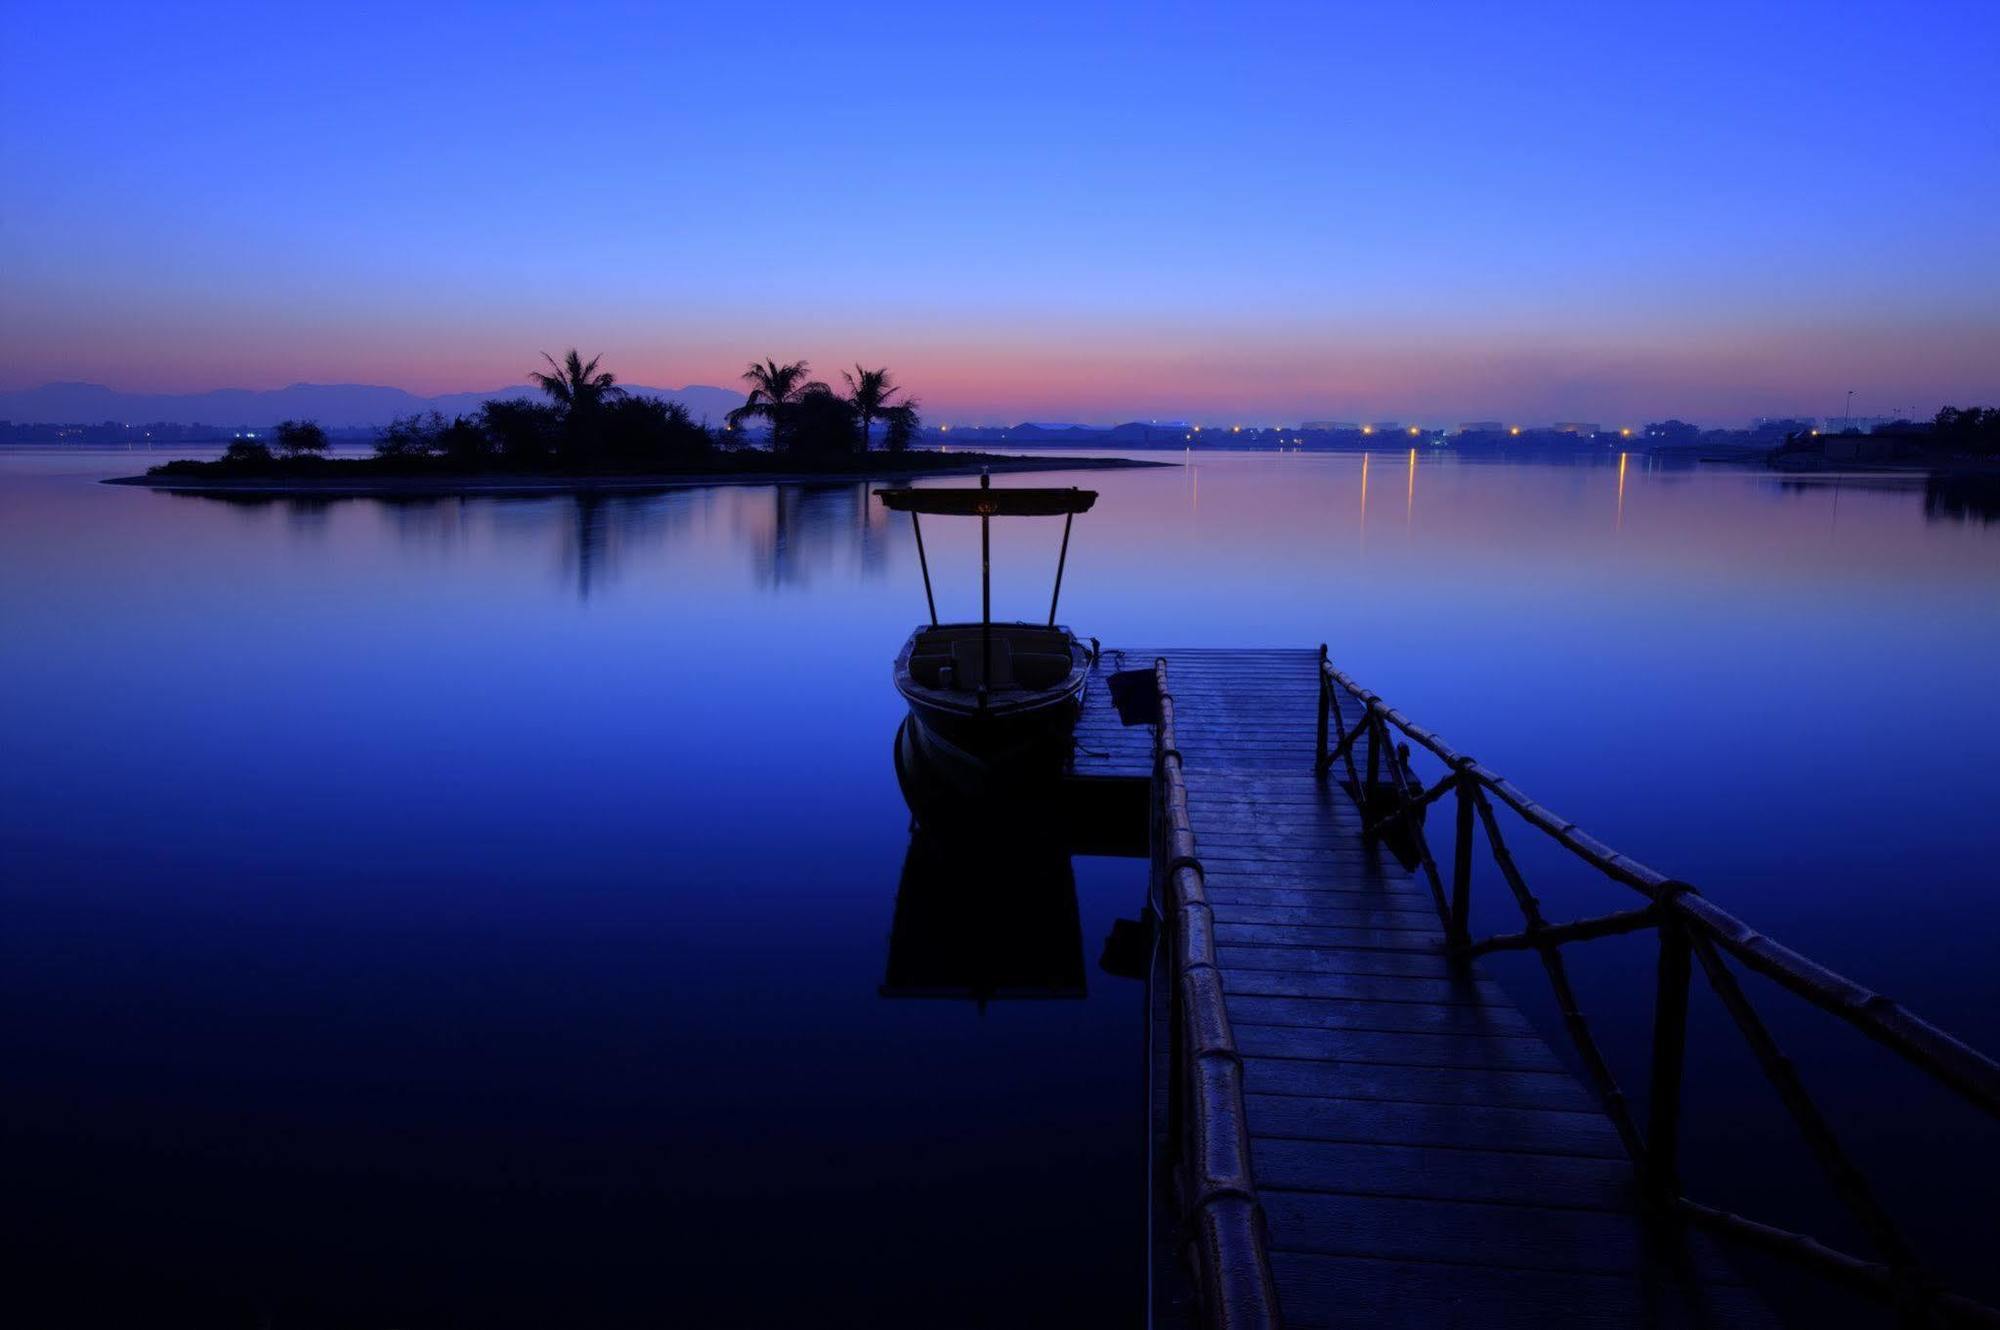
column 980, row 924
column 987, row 906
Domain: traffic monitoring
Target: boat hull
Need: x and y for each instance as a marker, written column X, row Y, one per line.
column 967, row 759
column 947, row 786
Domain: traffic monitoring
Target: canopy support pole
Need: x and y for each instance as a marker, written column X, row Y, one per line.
column 985, row 596
column 1061, row 558
column 923, row 563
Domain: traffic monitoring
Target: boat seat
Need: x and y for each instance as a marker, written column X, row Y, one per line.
column 926, row 668
column 1048, row 641
column 1041, row 669
column 968, row 664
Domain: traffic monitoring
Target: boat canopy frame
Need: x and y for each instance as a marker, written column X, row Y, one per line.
column 987, row 503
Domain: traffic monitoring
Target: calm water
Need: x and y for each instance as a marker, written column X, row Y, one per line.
column 474, row 912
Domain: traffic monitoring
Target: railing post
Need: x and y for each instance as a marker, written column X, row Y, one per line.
column 1461, row 865
column 1663, row 1117
column 1377, row 732
column 985, row 604
column 1320, row 763
column 1169, row 916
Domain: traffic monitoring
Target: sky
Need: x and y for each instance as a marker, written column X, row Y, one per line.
column 1256, row 213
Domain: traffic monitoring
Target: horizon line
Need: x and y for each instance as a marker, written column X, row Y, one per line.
column 1046, row 421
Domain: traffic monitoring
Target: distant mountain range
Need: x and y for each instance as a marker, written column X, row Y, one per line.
column 335, row 405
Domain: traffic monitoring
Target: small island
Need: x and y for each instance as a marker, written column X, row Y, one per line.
column 590, row 434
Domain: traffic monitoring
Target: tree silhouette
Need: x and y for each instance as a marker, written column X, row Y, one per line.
column 580, row 394
column 822, row 423
column 643, row 429
column 299, row 437
column 421, row 436
column 903, row 423
column 411, row 436
column 868, row 392
column 775, row 391
column 576, row 387
column 521, row 431
column 1969, row 429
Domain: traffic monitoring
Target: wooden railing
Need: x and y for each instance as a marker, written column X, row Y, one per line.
column 1690, row 929
column 1222, row 1221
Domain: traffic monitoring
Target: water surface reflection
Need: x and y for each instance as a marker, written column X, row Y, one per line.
column 426, row 911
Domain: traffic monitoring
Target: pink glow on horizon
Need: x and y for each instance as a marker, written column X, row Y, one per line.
column 1100, row 372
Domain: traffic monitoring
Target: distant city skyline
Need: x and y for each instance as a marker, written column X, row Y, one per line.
column 1453, row 212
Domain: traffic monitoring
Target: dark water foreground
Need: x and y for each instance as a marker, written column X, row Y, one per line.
column 475, row 911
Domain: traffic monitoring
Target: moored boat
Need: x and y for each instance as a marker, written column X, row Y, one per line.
column 992, row 705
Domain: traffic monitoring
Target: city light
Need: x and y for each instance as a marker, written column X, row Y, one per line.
column 1515, row 430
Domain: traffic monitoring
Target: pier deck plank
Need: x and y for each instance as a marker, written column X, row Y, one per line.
column 1422, row 1153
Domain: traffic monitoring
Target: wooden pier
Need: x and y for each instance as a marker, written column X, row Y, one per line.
column 1361, row 1128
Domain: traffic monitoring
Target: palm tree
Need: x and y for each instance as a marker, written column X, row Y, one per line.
column 775, row 391
column 576, row 388
column 869, row 391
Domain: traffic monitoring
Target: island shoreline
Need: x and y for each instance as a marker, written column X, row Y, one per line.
column 491, row 484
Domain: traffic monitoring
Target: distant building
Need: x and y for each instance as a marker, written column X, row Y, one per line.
column 1482, row 427
column 1330, row 426
column 1772, row 428
column 1383, row 427
column 1583, row 427
column 1866, row 424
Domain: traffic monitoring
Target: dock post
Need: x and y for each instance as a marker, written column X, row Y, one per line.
column 1461, row 865
column 1320, row 764
column 1670, row 1004
column 985, row 594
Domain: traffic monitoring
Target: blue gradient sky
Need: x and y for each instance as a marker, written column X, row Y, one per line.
column 1427, row 212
